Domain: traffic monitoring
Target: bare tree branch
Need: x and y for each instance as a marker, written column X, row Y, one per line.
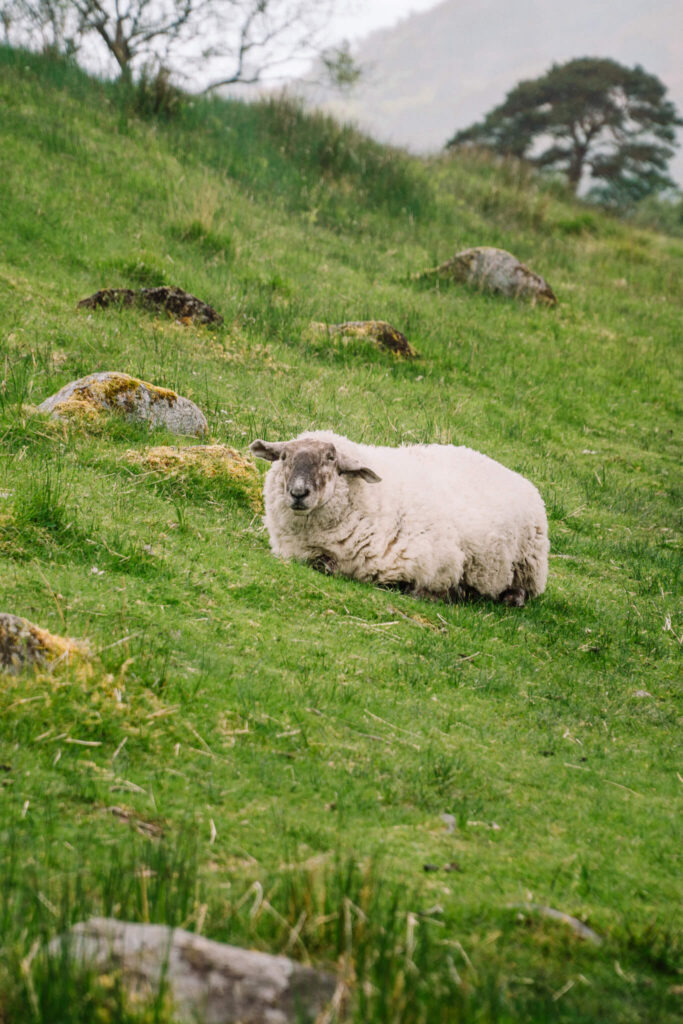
column 227, row 40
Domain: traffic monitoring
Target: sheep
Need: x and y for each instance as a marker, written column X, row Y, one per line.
column 439, row 521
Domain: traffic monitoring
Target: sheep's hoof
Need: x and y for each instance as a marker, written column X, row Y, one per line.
column 461, row 593
column 514, row 597
column 327, row 566
column 424, row 595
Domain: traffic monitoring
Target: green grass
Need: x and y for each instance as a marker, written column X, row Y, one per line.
column 279, row 746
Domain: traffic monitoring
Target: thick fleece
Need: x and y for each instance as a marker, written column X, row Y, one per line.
column 442, row 519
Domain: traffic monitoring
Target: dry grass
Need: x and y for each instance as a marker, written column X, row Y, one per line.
column 210, row 461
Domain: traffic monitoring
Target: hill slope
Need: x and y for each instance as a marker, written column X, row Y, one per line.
column 263, row 753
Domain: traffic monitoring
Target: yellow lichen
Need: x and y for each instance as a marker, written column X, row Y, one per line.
column 61, row 647
column 80, row 406
column 22, row 642
column 118, row 391
column 117, row 384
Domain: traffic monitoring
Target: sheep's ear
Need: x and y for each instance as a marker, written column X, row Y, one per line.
column 347, row 464
column 270, row 450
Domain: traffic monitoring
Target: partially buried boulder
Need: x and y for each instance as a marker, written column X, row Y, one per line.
column 495, row 270
column 23, row 644
column 208, row 982
column 379, row 332
column 136, row 399
column 179, row 303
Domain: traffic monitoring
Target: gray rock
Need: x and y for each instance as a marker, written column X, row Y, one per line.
column 496, row 270
column 209, row 982
column 578, row 927
column 23, row 644
column 136, row 399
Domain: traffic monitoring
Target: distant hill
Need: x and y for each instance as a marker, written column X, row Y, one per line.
column 438, row 71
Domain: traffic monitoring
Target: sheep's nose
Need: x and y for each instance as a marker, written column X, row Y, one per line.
column 299, row 489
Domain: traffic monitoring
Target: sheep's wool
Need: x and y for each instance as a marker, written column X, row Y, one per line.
column 441, row 518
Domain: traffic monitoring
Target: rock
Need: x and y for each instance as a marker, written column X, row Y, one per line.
column 179, row 303
column 23, row 644
column 136, row 399
column 496, row 270
column 218, row 461
column 578, row 927
column 449, row 822
column 110, row 297
column 382, row 334
column 208, row 982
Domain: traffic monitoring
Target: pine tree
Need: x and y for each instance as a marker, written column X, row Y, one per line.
column 588, row 117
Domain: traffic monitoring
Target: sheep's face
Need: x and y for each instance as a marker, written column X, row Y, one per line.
column 309, row 470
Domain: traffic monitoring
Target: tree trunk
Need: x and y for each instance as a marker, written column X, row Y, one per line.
column 575, row 169
column 121, row 51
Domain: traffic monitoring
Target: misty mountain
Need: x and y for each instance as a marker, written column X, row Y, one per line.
column 440, row 70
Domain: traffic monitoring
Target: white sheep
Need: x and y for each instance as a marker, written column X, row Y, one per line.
column 438, row 520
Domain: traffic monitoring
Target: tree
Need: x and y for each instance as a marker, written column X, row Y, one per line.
column 133, row 28
column 229, row 40
column 252, row 36
column 590, row 116
column 339, row 67
column 52, row 24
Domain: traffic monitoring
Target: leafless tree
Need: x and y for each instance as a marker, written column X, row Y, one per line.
column 216, row 42
column 47, row 25
column 250, row 37
column 131, row 29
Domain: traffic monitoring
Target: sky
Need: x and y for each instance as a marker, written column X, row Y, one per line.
column 360, row 18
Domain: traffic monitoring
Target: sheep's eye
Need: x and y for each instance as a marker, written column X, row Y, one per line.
column 284, row 456
column 330, row 456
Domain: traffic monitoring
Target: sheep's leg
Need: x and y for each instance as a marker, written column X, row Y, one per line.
column 514, row 597
column 462, row 592
column 426, row 595
column 324, row 564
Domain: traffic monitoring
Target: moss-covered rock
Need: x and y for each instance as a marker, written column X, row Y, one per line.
column 135, row 399
column 379, row 332
column 23, row 644
column 176, row 301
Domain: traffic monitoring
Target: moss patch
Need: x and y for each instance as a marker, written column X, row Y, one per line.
column 213, row 462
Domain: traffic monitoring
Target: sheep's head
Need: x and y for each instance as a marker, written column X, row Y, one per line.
column 310, row 469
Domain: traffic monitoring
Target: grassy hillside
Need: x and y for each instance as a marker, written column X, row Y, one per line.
column 262, row 753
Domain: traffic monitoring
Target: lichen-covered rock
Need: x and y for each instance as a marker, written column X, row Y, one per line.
column 212, row 461
column 136, row 399
column 22, row 644
column 382, row 334
column 496, row 270
column 179, row 303
column 110, row 297
column 208, row 982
